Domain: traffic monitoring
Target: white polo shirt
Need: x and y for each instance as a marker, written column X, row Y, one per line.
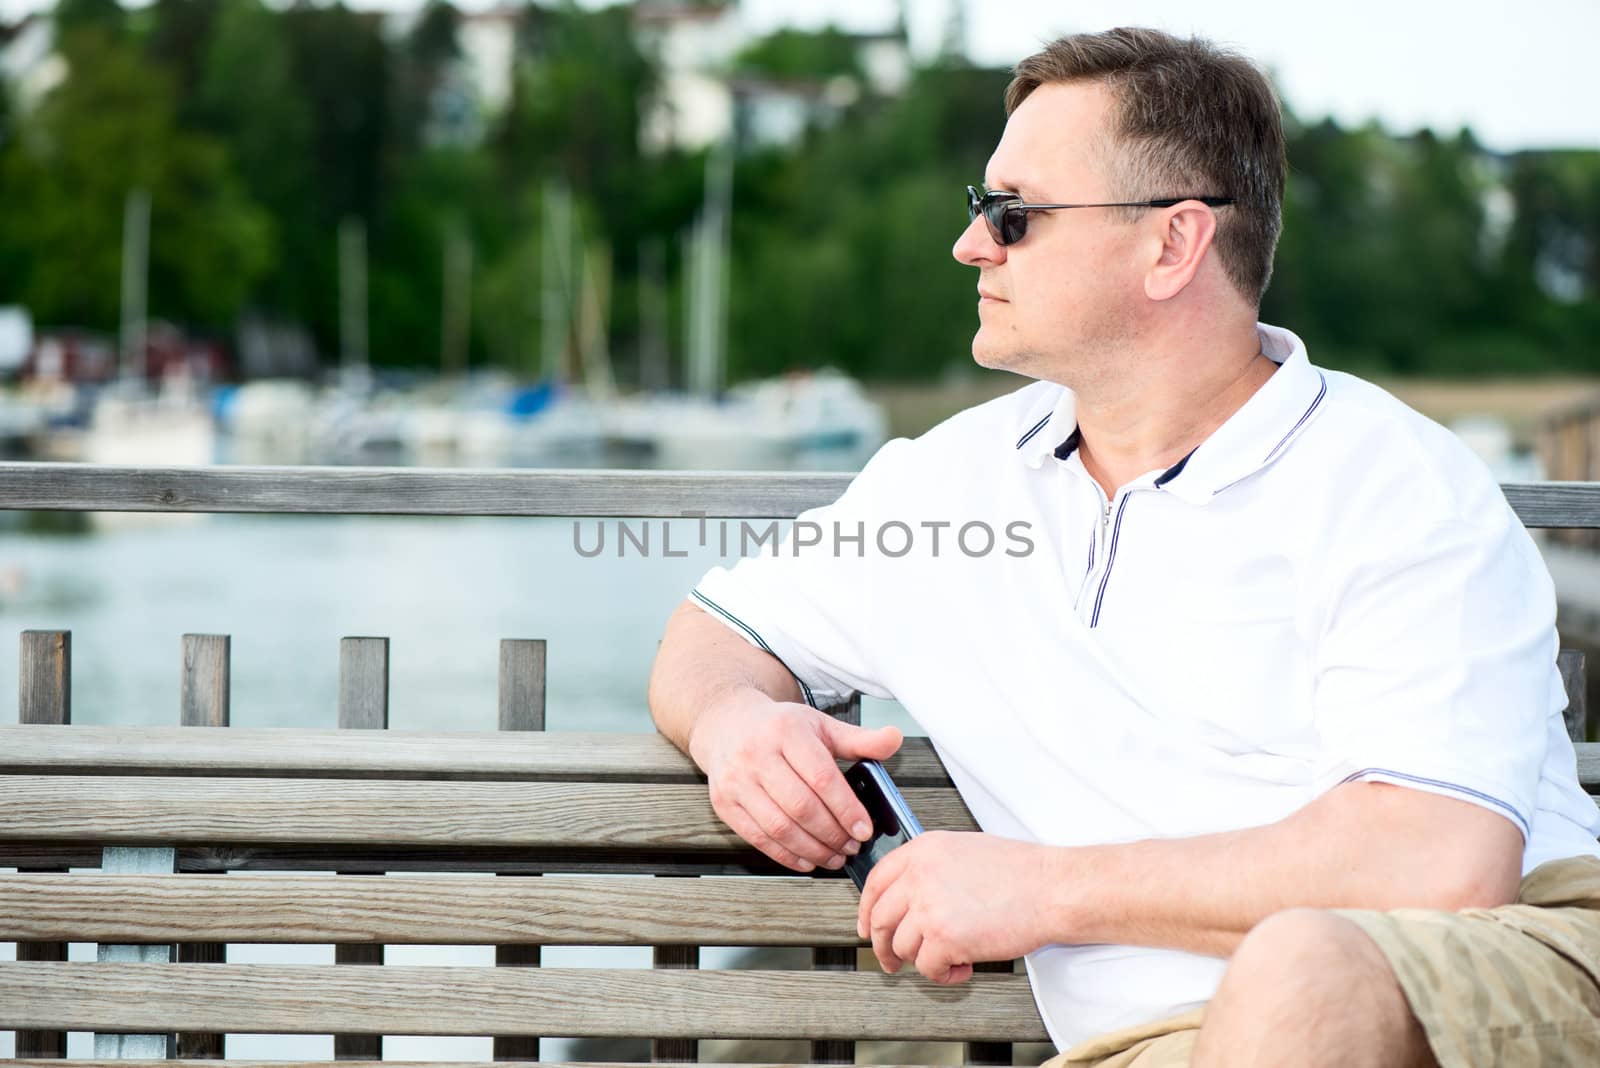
column 1331, row 587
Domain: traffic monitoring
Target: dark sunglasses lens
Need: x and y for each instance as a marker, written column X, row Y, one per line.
column 1006, row 222
column 1012, row 223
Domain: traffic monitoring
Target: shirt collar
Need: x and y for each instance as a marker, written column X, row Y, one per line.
column 1254, row 436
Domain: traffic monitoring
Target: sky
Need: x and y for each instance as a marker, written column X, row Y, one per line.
column 1521, row 74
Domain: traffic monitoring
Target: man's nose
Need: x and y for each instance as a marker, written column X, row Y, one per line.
column 976, row 248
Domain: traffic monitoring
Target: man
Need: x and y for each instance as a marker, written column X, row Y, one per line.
column 1276, row 661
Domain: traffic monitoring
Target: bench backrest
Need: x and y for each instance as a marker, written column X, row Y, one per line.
column 180, row 823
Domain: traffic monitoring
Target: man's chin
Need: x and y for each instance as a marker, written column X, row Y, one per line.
column 996, row 359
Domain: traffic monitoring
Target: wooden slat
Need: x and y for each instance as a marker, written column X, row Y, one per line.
column 413, row 491
column 205, row 695
column 522, row 684
column 45, row 677
column 67, row 808
column 1573, row 679
column 363, row 685
column 218, row 857
column 421, row 491
column 465, row 755
column 1555, row 504
column 522, row 702
column 363, row 706
column 44, row 696
column 274, row 999
column 386, row 1064
column 204, row 689
column 1589, row 765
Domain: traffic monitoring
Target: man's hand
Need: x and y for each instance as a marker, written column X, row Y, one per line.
column 946, row 899
column 773, row 777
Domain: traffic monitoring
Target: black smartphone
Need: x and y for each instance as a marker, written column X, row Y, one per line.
column 893, row 823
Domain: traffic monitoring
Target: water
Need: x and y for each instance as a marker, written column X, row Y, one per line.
column 287, row 588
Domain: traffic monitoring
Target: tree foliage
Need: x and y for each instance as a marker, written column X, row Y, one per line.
column 257, row 129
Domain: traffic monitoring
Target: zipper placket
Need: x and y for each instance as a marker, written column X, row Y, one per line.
column 1098, row 540
column 1105, row 553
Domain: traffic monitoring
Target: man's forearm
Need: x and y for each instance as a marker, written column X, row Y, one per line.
column 700, row 664
column 1362, row 845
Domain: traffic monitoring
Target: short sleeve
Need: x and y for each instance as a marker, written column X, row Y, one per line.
column 1436, row 666
column 813, row 600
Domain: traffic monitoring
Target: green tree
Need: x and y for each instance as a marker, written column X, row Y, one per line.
column 105, row 131
column 792, row 54
column 248, row 98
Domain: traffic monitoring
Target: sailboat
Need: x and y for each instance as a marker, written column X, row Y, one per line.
column 809, row 419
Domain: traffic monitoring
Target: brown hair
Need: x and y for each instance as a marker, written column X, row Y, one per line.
column 1191, row 119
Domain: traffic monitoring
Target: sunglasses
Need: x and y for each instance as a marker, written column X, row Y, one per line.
column 1007, row 216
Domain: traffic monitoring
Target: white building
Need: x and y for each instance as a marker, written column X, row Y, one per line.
column 702, row 101
column 29, row 62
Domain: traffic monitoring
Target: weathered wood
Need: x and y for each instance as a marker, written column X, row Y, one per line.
column 516, row 1047
column 833, row 959
column 419, row 910
column 1571, row 664
column 522, row 685
column 216, row 857
column 990, row 1052
column 364, row 685
column 44, row 684
column 826, row 958
column 205, row 694
column 1589, row 765
column 577, row 494
column 363, row 706
column 414, row 491
column 88, row 1063
column 45, row 677
column 128, row 811
column 522, row 704
column 1555, row 504
column 161, row 1042
column 671, row 1050
column 274, row 999
column 278, row 752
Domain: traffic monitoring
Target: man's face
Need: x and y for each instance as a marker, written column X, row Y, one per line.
column 1055, row 304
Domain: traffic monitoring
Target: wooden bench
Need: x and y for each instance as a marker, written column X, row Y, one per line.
column 178, row 826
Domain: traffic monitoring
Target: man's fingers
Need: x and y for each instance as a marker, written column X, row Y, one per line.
column 839, row 817
column 746, row 827
column 785, row 831
column 907, row 940
column 850, row 742
column 936, row 965
column 888, row 913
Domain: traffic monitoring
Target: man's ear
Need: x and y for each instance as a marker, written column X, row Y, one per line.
column 1189, row 230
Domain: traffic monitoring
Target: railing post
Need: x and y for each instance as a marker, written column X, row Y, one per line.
column 363, row 705
column 522, row 708
column 118, row 860
column 1571, row 664
column 44, row 695
column 204, row 701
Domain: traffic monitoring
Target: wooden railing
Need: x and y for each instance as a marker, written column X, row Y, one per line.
column 572, row 494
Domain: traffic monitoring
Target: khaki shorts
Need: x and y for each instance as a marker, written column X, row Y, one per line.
column 1517, row 986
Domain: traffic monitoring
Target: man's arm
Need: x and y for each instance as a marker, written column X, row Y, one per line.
column 768, row 758
column 1361, row 845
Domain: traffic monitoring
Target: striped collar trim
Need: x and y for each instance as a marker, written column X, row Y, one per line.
column 1262, row 430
